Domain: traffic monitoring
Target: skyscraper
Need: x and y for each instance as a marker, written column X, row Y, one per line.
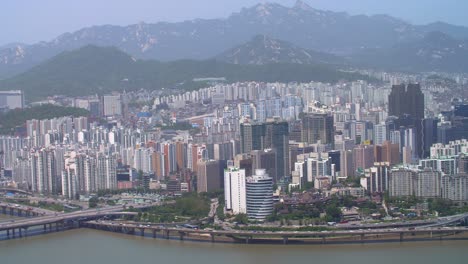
column 406, row 100
column 259, row 195
column 277, row 138
column 210, row 175
column 265, row 159
column 317, row 126
column 407, row 104
column 252, row 137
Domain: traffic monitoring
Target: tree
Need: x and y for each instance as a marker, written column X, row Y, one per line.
column 241, row 219
column 333, row 213
column 93, row 202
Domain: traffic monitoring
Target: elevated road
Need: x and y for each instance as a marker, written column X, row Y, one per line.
column 447, row 221
column 13, row 190
column 61, row 217
column 23, row 210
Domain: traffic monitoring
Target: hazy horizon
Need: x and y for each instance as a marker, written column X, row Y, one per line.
column 29, row 21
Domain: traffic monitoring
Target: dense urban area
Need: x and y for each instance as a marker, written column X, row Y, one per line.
column 367, row 149
column 269, row 154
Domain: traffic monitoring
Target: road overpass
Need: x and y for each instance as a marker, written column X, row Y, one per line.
column 23, row 210
column 14, row 190
column 447, row 221
column 61, row 219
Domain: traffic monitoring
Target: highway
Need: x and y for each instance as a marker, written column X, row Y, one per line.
column 37, row 210
column 58, row 217
column 445, row 221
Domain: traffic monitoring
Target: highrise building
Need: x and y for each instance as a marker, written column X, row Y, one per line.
column 377, row 177
column 265, row 159
column 428, row 184
column 44, row 178
column 112, row 105
column 234, row 190
column 455, row 187
column 70, row 178
column 244, row 162
column 259, row 195
column 317, row 127
column 363, row 157
column 277, row 138
column 252, row 137
column 318, row 167
column 406, row 100
column 407, row 104
column 210, row 175
column 401, row 182
column 380, row 134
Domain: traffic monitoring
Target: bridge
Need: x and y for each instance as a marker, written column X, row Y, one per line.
column 282, row 236
column 60, row 220
column 22, row 210
column 448, row 220
column 14, row 190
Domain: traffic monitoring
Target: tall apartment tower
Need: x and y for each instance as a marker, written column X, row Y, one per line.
column 317, row 126
column 401, row 182
column 234, row 190
column 377, row 177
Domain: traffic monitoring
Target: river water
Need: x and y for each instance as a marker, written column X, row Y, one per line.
column 91, row 246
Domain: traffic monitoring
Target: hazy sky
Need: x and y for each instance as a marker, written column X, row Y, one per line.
column 35, row 20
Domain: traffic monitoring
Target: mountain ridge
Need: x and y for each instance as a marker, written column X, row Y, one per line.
column 99, row 70
column 302, row 25
column 262, row 49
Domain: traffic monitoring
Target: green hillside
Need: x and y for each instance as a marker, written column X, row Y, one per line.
column 97, row 70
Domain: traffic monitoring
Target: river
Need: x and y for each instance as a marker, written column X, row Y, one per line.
column 91, row 246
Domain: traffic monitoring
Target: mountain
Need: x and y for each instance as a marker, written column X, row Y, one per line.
column 264, row 50
column 436, row 51
column 302, row 25
column 457, row 32
column 97, row 70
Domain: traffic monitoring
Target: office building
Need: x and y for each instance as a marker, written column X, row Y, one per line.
column 210, row 175
column 317, row 127
column 277, row 138
column 252, row 137
column 259, row 195
column 406, row 101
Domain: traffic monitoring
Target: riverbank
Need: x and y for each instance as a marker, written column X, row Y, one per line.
column 95, row 246
column 236, row 237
